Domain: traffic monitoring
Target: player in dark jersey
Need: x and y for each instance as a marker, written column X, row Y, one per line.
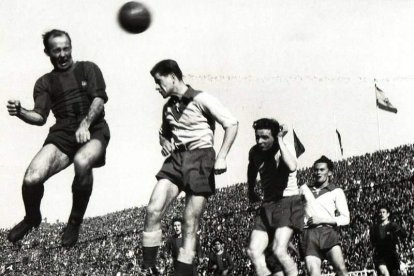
column 75, row 92
column 282, row 210
column 384, row 238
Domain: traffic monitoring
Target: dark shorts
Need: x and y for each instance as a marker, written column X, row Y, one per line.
column 288, row 211
column 192, row 171
column 389, row 259
column 317, row 241
column 62, row 135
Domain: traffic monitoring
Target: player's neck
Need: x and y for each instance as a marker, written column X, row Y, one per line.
column 385, row 222
column 180, row 89
column 321, row 185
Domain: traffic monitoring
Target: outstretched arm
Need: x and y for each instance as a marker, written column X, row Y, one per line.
column 82, row 133
column 28, row 116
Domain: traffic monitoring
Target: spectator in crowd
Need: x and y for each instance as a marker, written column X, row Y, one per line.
column 326, row 208
column 384, row 238
column 220, row 262
column 175, row 242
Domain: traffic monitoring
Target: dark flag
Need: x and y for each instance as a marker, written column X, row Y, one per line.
column 340, row 142
column 299, row 148
column 383, row 102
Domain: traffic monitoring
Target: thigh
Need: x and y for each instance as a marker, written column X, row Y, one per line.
column 335, row 257
column 90, row 152
column 47, row 162
column 282, row 237
column 259, row 240
column 162, row 195
column 194, row 207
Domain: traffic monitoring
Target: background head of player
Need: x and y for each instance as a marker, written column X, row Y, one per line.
column 167, row 75
column 323, row 170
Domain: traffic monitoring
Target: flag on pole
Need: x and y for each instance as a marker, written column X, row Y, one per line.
column 299, row 148
column 383, row 102
column 340, row 142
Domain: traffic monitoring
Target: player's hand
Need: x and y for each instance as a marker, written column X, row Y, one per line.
column 220, row 166
column 82, row 133
column 283, row 129
column 13, row 107
column 167, row 148
column 315, row 220
column 254, row 197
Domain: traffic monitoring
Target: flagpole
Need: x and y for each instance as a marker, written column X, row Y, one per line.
column 378, row 121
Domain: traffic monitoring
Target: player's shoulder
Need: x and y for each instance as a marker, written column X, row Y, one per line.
column 254, row 152
column 43, row 80
column 88, row 65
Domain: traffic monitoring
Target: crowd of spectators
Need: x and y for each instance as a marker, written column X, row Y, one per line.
column 111, row 244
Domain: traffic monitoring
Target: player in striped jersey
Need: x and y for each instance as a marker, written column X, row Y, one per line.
column 75, row 92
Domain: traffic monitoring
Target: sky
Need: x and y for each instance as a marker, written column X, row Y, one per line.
column 309, row 64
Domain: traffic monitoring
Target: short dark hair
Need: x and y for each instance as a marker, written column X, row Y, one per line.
column 327, row 161
column 385, row 207
column 267, row 123
column 166, row 67
column 180, row 220
column 217, row 240
column 51, row 34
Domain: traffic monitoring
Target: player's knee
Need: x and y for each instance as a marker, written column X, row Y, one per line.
column 82, row 163
column 153, row 212
column 253, row 253
column 32, row 178
column 280, row 252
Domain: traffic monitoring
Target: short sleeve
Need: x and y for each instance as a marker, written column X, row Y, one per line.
column 41, row 98
column 96, row 82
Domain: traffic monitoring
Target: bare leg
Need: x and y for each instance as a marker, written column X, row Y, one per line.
column 258, row 242
column 83, row 162
column 336, row 258
column 280, row 246
column 313, row 265
column 47, row 162
column 163, row 194
column 193, row 210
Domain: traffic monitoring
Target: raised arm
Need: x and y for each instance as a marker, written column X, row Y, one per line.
column 288, row 157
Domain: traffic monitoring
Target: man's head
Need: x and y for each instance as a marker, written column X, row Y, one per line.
column 323, row 169
column 167, row 74
column 384, row 213
column 177, row 223
column 217, row 244
column 266, row 131
column 58, row 47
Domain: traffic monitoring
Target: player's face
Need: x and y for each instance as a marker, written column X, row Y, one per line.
column 177, row 227
column 60, row 52
column 383, row 213
column 321, row 172
column 264, row 139
column 164, row 84
column 217, row 246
